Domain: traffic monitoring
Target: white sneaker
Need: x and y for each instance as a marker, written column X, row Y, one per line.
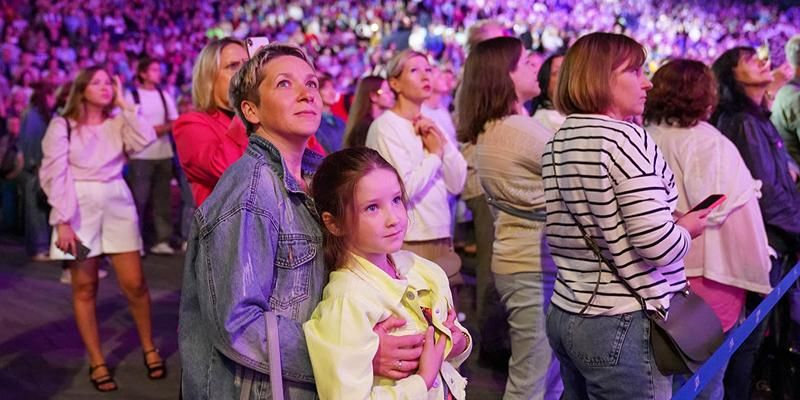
column 40, row 257
column 162, row 248
column 462, row 317
column 66, row 276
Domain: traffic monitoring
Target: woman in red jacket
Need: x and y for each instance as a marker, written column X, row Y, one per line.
column 210, row 139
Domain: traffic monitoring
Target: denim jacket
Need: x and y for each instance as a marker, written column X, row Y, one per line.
column 255, row 244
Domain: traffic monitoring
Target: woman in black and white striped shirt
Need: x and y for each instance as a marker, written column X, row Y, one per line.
column 613, row 181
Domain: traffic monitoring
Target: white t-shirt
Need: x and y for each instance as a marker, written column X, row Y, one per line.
column 152, row 110
column 428, row 179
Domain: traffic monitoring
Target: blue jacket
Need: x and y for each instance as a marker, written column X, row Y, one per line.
column 762, row 150
column 255, row 244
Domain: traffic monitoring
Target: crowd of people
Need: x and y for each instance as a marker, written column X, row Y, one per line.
column 51, row 40
column 321, row 177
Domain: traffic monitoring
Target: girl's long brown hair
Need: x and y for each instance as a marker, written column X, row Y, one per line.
column 333, row 189
column 76, row 101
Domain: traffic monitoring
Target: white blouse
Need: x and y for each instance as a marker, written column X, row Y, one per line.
column 733, row 250
column 91, row 153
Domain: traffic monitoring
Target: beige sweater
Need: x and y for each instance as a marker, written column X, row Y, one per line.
column 508, row 159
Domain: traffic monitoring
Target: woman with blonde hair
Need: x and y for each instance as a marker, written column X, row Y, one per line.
column 610, row 194
column 372, row 97
column 430, row 165
column 210, row 138
column 93, row 213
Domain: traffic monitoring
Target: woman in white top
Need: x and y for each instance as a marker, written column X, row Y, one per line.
column 93, row 213
column 732, row 256
column 545, row 112
column 498, row 79
column 429, row 163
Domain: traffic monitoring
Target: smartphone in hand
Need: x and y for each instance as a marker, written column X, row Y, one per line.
column 255, row 43
column 712, row 201
column 83, row 251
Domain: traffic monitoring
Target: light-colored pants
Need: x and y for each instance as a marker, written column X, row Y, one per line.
column 533, row 371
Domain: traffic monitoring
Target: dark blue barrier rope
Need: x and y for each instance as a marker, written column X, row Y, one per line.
column 720, row 358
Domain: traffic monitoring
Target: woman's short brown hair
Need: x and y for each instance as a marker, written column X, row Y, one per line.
column 245, row 83
column 684, row 93
column 584, row 82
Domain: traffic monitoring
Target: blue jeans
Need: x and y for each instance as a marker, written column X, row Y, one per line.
column 532, row 369
column 606, row 357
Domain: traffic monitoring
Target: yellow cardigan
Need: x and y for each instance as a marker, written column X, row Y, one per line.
column 341, row 342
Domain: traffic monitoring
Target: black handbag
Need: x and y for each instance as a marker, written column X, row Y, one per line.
column 684, row 336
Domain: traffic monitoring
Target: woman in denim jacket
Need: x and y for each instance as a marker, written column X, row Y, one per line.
column 255, row 245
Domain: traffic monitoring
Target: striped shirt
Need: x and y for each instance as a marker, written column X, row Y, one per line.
column 614, row 179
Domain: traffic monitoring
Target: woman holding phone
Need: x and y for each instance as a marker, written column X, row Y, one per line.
column 719, row 268
column 93, row 213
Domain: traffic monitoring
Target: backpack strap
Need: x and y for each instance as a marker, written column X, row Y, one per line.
column 164, row 104
column 69, row 129
column 135, row 95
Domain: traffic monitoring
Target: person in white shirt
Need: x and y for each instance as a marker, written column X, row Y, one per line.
column 150, row 170
column 93, row 213
column 429, row 163
column 719, row 268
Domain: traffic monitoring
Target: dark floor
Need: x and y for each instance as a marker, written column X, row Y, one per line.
column 42, row 356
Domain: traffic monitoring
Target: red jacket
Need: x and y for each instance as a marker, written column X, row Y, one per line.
column 208, row 143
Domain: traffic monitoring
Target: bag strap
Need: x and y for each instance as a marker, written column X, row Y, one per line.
column 596, row 250
column 163, row 104
column 528, row 215
column 274, row 355
column 135, row 94
column 274, row 351
column 138, row 101
column 69, row 129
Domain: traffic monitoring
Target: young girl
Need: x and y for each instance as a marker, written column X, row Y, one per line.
column 361, row 201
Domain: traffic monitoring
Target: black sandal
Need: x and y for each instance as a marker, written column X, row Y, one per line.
column 156, row 367
column 102, row 380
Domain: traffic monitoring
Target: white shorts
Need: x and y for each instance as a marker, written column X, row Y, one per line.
column 107, row 221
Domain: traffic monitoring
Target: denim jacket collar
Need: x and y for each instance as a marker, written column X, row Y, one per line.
column 262, row 148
